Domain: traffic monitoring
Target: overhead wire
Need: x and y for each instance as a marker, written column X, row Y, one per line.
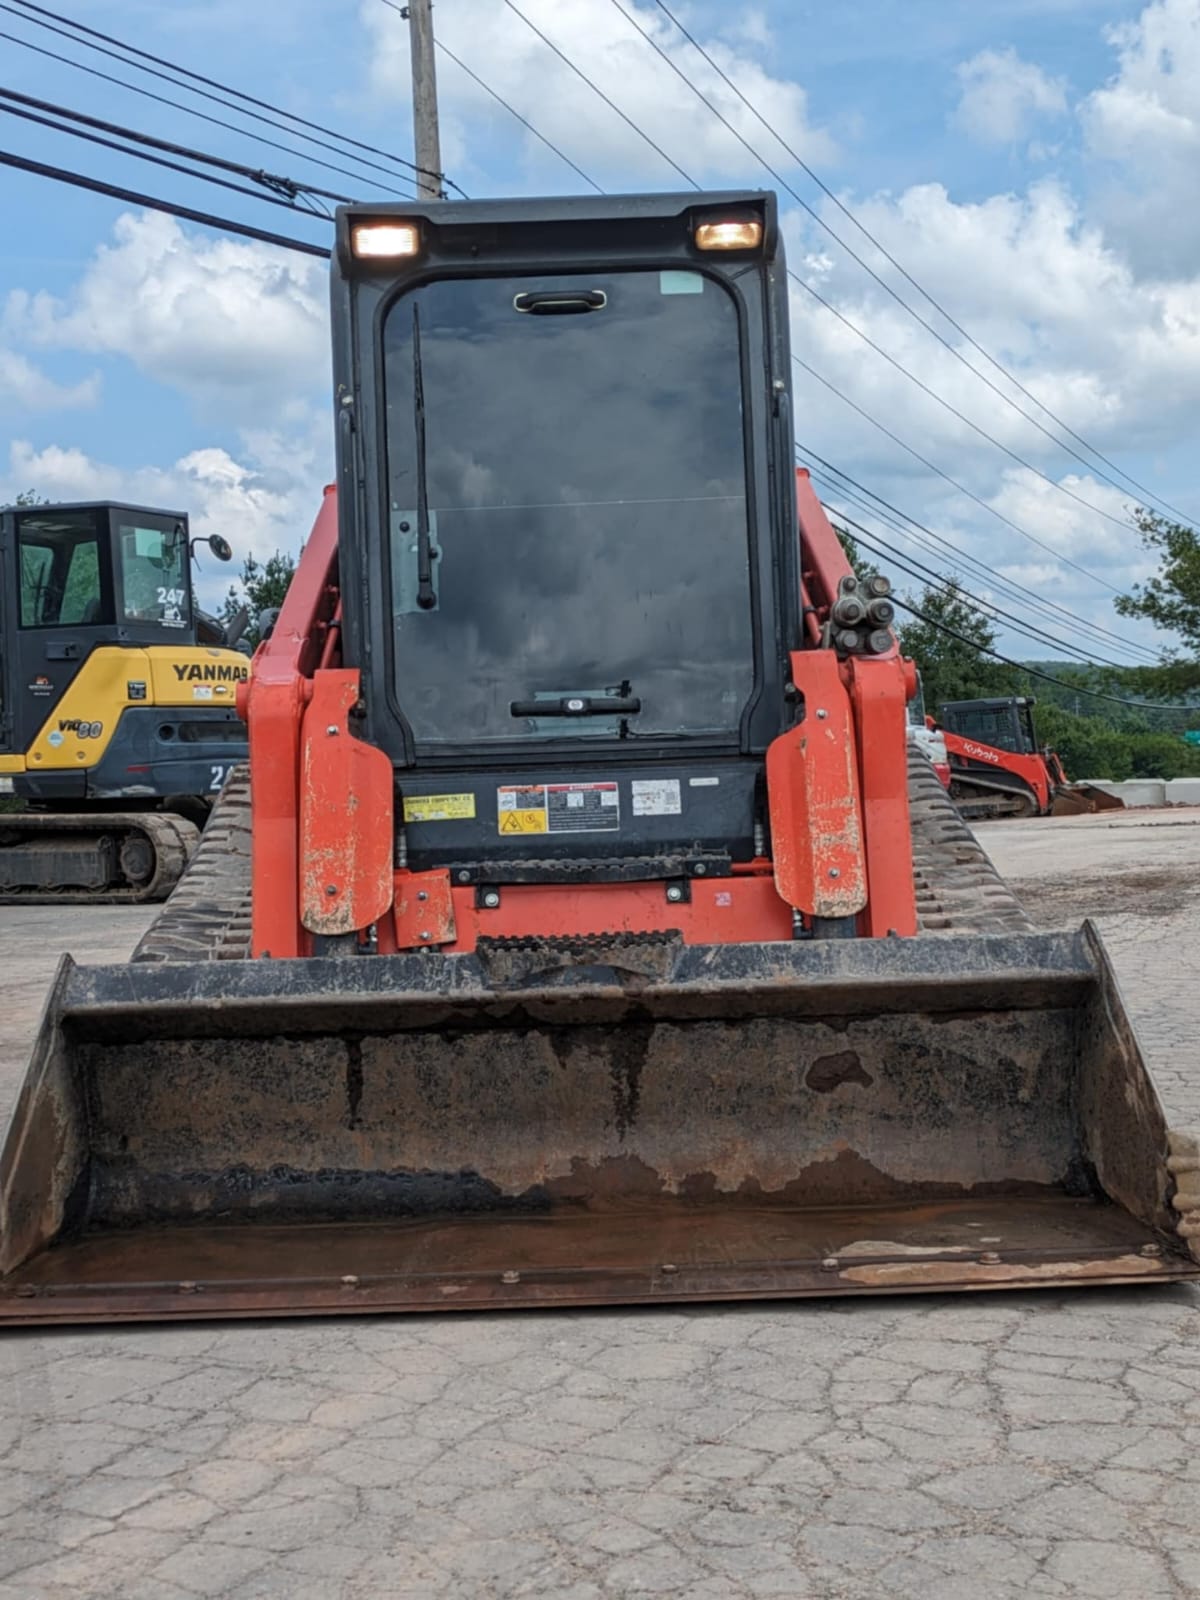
column 204, row 116
column 160, row 161
column 937, row 544
column 269, row 180
column 1047, row 606
column 849, row 322
column 1037, row 672
column 867, row 416
column 878, row 546
column 114, row 191
column 595, row 88
column 512, row 111
column 954, row 483
column 28, row 6
column 937, row 306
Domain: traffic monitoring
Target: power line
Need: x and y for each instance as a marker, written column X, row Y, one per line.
column 888, row 289
column 847, row 321
column 904, row 523
column 1120, row 522
column 1036, row 672
column 941, row 473
column 923, row 574
column 879, row 546
column 1102, row 582
column 269, row 180
column 204, row 94
column 579, row 73
column 524, row 121
column 225, row 88
column 204, row 116
column 158, row 161
column 131, row 197
column 1076, row 621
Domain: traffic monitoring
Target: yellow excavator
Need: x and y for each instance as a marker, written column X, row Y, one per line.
column 118, row 722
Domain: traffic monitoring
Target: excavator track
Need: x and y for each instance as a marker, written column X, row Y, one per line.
column 207, row 917
column 156, row 845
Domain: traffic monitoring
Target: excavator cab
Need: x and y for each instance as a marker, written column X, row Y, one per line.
column 600, row 942
column 109, row 703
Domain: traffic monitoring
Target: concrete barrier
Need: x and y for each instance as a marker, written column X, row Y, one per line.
column 1183, row 791
column 1137, row 791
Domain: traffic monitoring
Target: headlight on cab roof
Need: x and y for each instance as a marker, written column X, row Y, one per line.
column 385, row 240
column 731, row 233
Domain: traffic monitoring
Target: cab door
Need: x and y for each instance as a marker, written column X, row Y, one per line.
column 8, row 633
column 60, row 606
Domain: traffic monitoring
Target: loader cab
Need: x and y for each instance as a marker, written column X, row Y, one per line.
column 567, row 523
column 76, row 577
column 1003, row 724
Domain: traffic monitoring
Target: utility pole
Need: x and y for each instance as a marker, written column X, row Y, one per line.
column 424, row 95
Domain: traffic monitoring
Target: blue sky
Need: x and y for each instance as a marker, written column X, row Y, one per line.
column 1031, row 162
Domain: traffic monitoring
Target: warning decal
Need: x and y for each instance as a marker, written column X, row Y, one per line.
column 558, row 808
column 438, row 807
column 521, row 809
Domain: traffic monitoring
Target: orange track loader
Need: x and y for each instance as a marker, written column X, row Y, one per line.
column 998, row 769
column 583, row 932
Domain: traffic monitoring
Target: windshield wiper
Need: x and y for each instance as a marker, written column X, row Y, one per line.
column 426, row 596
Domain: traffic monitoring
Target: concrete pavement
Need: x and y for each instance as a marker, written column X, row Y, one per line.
column 978, row 1447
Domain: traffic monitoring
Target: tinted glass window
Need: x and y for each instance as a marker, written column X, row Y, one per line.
column 996, row 727
column 154, row 583
column 584, row 472
column 61, row 580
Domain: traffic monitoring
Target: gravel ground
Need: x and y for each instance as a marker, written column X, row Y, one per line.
column 944, row 1448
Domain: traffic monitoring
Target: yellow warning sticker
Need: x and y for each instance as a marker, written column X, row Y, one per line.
column 521, row 808
column 523, row 822
column 438, row 807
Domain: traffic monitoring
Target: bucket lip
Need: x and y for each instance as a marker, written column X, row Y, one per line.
column 1016, row 970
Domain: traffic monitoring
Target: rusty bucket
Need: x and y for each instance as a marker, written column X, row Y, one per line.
column 427, row 1132
column 1083, row 799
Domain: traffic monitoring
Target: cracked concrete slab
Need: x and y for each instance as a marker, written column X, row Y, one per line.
column 1000, row 1447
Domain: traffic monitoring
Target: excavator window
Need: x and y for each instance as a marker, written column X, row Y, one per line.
column 61, row 571
column 568, row 509
column 154, row 575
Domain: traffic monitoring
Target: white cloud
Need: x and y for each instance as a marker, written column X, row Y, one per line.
column 25, row 388
column 1003, row 96
column 494, row 41
column 233, row 324
column 1041, row 288
column 1145, row 125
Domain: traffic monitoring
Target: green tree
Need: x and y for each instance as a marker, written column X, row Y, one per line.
column 262, row 587
column 1171, row 599
column 948, row 641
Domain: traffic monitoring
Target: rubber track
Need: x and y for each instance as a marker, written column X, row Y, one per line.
column 174, row 840
column 208, row 916
column 958, row 888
